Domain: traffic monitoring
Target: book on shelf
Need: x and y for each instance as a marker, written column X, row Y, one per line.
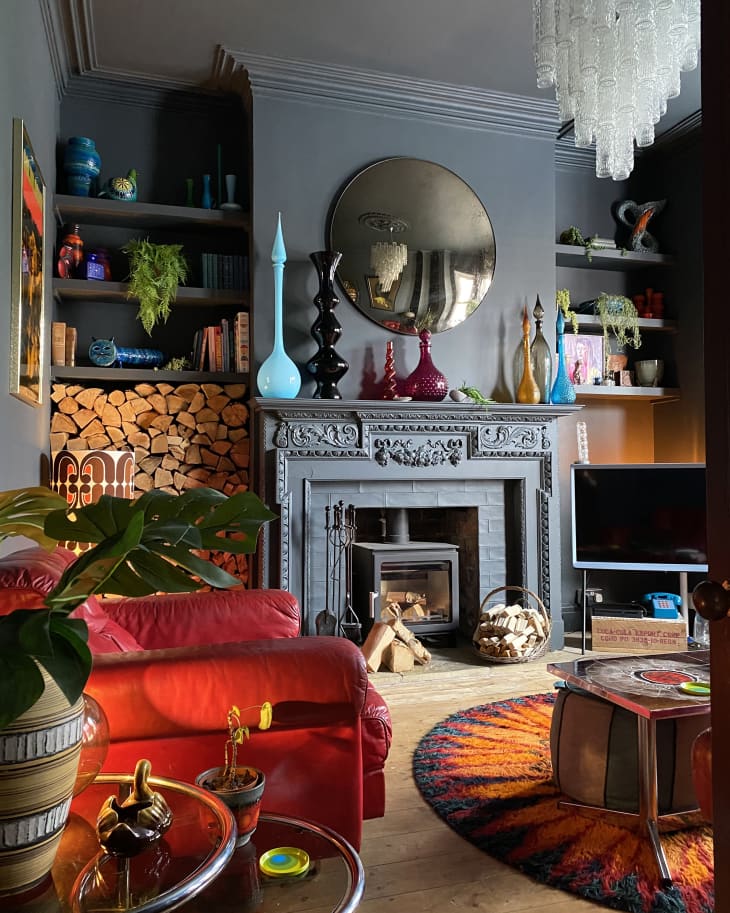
column 240, row 343
column 58, row 343
column 224, row 271
column 223, row 346
column 70, row 350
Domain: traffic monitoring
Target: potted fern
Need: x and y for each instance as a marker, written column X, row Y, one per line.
column 138, row 548
column 240, row 787
column 155, row 272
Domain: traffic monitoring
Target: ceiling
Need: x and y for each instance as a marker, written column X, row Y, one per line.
column 479, row 43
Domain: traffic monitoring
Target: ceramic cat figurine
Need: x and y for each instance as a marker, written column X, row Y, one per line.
column 106, row 354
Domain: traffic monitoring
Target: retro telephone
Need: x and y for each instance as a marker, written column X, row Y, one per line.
column 662, row 605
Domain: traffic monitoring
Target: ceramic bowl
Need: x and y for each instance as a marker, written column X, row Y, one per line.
column 649, row 373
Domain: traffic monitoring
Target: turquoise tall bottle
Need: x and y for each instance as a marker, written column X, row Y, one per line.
column 278, row 376
column 563, row 390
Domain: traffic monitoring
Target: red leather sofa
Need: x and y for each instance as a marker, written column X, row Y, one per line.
column 167, row 668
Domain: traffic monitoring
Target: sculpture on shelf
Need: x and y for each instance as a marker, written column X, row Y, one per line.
column 105, row 353
column 126, row 828
column 636, row 216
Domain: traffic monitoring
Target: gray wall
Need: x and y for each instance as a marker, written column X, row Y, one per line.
column 304, row 153
column 28, row 91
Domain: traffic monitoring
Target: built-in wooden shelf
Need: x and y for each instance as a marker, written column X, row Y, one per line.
column 646, row 324
column 94, row 290
column 95, row 211
column 117, row 375
column 577, row 258
column 651, row 394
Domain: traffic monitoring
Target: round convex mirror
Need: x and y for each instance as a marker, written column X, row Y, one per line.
column 417, row 245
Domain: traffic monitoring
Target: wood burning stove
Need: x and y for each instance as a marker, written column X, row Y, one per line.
column 419, row 581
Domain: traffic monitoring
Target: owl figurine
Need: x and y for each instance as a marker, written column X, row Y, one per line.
column 121, row 188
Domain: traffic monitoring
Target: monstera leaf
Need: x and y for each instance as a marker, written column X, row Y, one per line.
column 138, row 548
column 23, row 512
column 147, row 546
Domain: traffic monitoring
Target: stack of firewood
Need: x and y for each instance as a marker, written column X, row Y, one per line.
column 509, row 632
column 183, row 436
column 393, row 645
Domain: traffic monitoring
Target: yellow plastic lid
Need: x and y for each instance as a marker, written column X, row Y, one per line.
column 284, row 860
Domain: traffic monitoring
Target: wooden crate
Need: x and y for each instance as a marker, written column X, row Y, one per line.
column 638, row 635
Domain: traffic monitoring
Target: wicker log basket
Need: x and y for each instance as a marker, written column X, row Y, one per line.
column 516, row 633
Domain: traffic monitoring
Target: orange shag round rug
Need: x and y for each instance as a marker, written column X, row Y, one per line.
column 486, row 772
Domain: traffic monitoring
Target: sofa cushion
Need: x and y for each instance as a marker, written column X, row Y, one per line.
column 105, row 635
column 215, row 617
column 28, row 573
column 26, row 576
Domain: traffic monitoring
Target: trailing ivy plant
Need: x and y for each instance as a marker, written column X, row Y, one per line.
column 619, row 316
column 562, row 299
column 155, row 272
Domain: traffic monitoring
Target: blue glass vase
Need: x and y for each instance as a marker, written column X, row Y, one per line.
column 563, row 390
column 278, row 377
column 81, row 165
column 206, row 200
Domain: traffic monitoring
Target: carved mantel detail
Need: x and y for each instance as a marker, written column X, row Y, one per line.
column 407, row 452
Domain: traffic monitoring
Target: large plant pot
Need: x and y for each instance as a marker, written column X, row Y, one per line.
column 39, row 757
column 245, row 803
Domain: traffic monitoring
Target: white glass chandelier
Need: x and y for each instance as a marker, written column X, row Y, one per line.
column 614, row 64
column 387, row 259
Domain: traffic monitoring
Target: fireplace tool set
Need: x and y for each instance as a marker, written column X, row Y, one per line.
column 338, row 616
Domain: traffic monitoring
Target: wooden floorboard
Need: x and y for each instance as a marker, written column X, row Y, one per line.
column 414, row 863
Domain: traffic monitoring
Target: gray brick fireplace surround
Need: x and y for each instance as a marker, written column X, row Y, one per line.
column 494, row 467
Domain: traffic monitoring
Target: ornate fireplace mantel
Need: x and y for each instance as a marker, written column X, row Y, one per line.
column 441, row 455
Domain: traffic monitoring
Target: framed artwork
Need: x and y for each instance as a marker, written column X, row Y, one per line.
column 583, row 357
column 27, row 318
column 380, row 300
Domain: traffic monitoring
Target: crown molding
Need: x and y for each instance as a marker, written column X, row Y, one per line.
column 53, row 26
column 568, row 155
column 79, row 33
column 122, row 89
column 387, row 94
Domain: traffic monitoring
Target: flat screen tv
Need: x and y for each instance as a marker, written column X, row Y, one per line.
column 639, row 516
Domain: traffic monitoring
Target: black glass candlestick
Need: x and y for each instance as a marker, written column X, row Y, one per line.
column 326, row 367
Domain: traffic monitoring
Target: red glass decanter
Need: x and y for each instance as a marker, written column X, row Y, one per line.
column 426, row 383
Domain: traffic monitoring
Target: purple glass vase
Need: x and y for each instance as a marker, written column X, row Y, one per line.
column 426, row 383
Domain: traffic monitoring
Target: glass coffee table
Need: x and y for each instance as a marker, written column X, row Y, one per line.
column 652, row 688
column 196, row 865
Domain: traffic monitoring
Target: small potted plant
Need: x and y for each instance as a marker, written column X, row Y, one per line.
column 239, row 786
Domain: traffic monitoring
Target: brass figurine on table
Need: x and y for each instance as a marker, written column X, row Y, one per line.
column 128, row 827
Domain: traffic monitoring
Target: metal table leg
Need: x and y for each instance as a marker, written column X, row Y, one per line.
column 648, row 793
